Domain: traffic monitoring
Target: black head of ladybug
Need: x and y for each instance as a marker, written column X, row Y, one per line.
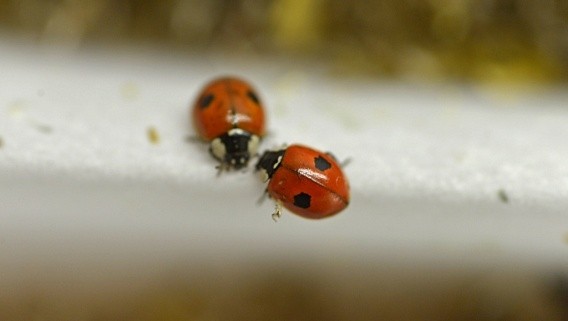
column 234, row 148
column 269, row 162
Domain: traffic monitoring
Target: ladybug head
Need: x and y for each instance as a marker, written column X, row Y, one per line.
column 234, row 148
column 269, row 162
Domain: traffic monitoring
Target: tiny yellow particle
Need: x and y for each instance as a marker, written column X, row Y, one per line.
column 16, row 109
column 153, row 135
column 129, row 91
column 42, row 128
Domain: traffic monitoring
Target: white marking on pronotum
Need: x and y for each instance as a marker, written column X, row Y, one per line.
column 278, row 161
column 218, row 148
column 253, row 144
column 263, row 175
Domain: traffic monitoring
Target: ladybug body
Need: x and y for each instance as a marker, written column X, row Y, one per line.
column 306, row 181
column 229, row 115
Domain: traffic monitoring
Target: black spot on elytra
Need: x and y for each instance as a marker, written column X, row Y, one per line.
column 253, row 97
column 206, row 100
column 302, row 200
column 321, row 163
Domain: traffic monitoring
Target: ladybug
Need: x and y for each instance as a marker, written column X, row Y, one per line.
column 308, row 182
column 229, row 115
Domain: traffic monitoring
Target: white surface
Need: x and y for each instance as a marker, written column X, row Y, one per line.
column 80, row 181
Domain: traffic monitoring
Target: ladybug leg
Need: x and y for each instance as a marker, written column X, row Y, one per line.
column 277, row 211
column 278, row 147
column 268, row 133
column 263, row 197
column 221, row 168
column 343, row 163
column 330, row 154
column 192, row 139
column 254, row 156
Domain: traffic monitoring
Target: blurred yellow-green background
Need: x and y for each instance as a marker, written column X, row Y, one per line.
column 517, row 41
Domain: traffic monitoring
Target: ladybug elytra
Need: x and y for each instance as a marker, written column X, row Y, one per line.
column 229, row 115
column 304, row 180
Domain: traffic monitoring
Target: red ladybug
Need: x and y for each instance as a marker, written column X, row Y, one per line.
column 229, row 115
column 306, row 181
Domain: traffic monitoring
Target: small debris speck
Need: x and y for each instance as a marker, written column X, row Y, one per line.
column 16, row 109
column 503, row 196
column 43, row 128
column 153, row 135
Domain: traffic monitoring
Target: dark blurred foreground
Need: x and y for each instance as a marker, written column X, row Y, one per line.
column 295, row 293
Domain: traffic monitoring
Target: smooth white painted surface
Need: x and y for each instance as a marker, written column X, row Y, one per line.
column 81, row 185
